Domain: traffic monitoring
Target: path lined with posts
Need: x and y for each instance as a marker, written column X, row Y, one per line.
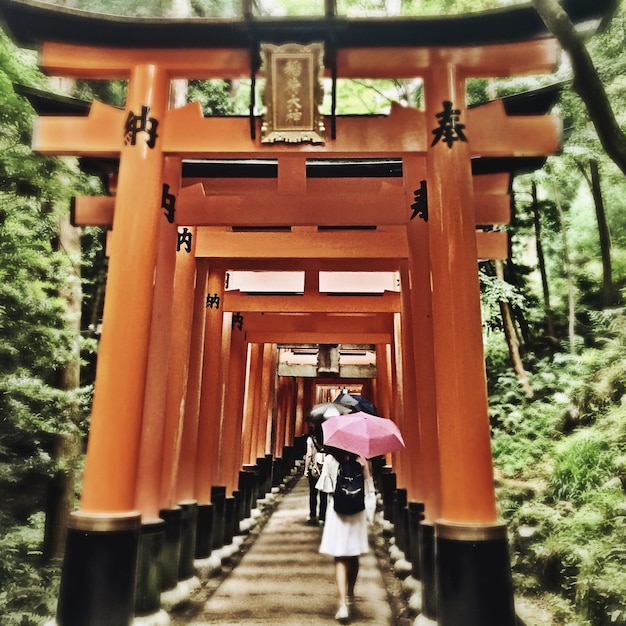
column 282, row 579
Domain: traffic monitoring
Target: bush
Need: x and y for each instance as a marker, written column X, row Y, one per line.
column 28, row 585
column 583, row 462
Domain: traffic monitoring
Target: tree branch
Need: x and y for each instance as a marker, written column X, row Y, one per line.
column 587, row 83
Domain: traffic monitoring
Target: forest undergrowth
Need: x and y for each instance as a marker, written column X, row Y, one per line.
column 560, row 462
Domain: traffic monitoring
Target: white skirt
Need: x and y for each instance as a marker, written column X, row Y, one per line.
column 344, row 535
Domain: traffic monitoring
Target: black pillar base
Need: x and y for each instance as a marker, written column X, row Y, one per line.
column 218, row 497
column 148, row 588
column 229, row 519
column 204, row 531
column 189, row 522
column 269, row 474
column 170, row 554
column 245, row 489
column 99, row 570
column 278, row 472
column 299, row 446
column 289, row 458
column 474, row 575
column 239, row 510
column 388, row 488
column 415, row 516
column 400, row 519
column 427, row 569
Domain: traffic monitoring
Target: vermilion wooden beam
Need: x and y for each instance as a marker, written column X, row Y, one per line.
column 323, row 247
column 315, row 322
column 251, row 186
column 529, row 57
column 388, row 206
column 490, row 208
column 111, row 63
column 318, row 328
column 389, row 243
column 385, row 206
column 188, row 134
column 492, row 183
column 75, row 61
column 315, row 303
column 492, row 244
column 492, row 133
column 276, row 336
column 87, row 136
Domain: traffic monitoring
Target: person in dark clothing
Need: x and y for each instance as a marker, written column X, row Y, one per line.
column 313, row 462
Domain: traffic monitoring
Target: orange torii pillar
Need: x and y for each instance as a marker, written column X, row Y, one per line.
column 285, row 418
column 383, row 386
column 147, row 496
column 265, row 441
column 473, row 566
column 99, row 569
column 185, row 485
column 400, row 480
column 409, row 495
column 209, row 495
column 231, row 449
column 255, row 427
column 421, row 321
column 180, row 335
column 253, row 400
column 409, row 465
column 300, row 425
column 291, row 407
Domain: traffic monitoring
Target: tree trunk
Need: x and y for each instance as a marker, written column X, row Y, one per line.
column 587, row 83
column 593, row 180
column 60, row 497
column 541, row 262
column 608, row 289
column 511, row 339
column 66, row 446
column 571, row 333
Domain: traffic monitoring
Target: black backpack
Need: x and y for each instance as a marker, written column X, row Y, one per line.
column 349, row 496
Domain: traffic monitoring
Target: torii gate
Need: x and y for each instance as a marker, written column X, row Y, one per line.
column 160, row 441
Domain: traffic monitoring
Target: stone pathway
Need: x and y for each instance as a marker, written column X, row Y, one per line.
column 282, row 579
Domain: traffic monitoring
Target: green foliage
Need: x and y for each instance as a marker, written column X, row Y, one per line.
column 582, row 463
column 215, row 96
column 523, row 430
column 28, row 589
column 418, row 7
column 36, row 341
column 493, row 291
column 568, row 517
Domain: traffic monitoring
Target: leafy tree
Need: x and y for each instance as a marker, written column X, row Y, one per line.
column 587, row 81
column 37, row 340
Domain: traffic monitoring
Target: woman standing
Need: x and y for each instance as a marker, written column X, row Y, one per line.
column 345, row 537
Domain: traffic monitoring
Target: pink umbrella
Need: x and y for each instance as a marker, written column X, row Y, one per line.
column 363, row 434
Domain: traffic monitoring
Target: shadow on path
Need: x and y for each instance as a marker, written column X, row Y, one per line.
column 279, row 578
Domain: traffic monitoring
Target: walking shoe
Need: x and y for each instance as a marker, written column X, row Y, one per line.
column 342, row 614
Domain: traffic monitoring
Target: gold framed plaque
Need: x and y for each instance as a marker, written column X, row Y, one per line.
column 293, row 93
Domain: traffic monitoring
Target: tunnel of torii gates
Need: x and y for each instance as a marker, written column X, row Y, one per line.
column 188, row 409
